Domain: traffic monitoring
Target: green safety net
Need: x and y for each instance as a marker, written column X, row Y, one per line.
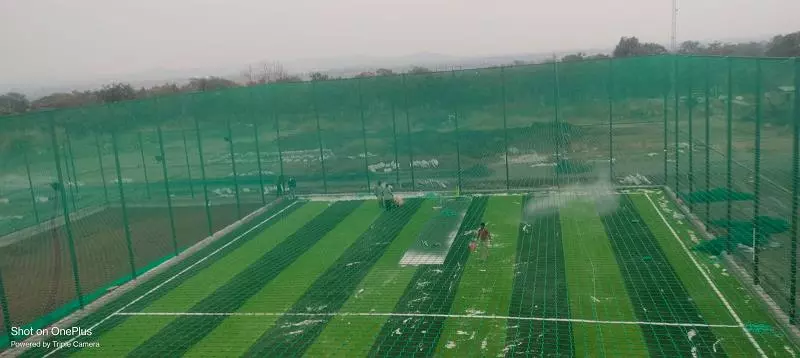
column 95, row 196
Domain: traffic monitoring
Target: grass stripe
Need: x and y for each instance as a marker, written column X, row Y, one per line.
column 431, row 290
column 707, row 301
column 290, row 284
column 378, row 292
column 279, row 210
column 184, row 332
column 485, row 287
column 596, row 287
column 292, row 335
column 657, row 293
column 540, row 290
column 136, row 330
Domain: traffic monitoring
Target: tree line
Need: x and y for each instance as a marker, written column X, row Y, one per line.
column 12, row 103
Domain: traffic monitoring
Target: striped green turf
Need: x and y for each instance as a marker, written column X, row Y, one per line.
column 136, row 330
column 714, row 311
column 596, row 287
column 378, row 292
column 235, row 335
column 485, row 287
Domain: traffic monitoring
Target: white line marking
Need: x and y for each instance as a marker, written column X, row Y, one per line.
column 394, row 314
column 174, row 277
column 708, row 279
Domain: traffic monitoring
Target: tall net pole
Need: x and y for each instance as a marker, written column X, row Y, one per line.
column 100, row 164
column 408, row 133
column 188, row 165
column 505, row 122
column 319, row 136
column 795, row 193
column 363, row 132
column 729, row 159
column 757, row 179
column 163, row 157
column 125, row 225
column 30, row 184
column 60, row 190
column 611, row 119
column 229, row 139
column 206, row 202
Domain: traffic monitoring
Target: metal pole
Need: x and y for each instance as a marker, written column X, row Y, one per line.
column 408, row 133
column 611, row 118
column 363, row 132
column 795, row 188
column 396, row 156
column 203, row 176
column 5, row 310
column 71, row 159
column 707, row 96
column 666, row 118
column 30, row 184
column 258, row 163
column 757, row 178
column 144, row 164
column 233, row 167
column 125, row 223
column 458, row 142
column 166, row 187
column 729, row 154
column 319, row 136
column 556, row 96
column 102, row 169
column 505, row 122
column 188, row 166
column 278, row 139
column 677, row 127
column 74, row 181
column 65, row 208
column 690, row 103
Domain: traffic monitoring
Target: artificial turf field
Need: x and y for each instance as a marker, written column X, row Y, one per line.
column 573, row 278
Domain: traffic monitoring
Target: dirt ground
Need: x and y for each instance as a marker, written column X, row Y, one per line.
column 37, row 272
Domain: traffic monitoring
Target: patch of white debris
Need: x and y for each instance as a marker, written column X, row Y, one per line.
column 474, row 312
column 307, row 322
column 450, row 345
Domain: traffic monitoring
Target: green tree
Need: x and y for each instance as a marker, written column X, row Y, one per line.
column 580, row 56
column 319, row 76
column 784, row 45
column 116, row 92
column 630, row 46
column 13, row 102
column 65, row 100
column 203, row 84
column 691, row 48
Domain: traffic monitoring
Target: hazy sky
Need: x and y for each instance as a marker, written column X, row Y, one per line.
column 68, row 40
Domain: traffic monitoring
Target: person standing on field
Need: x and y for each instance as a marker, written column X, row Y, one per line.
column 279, row 186
column 292, row 187
column 388, row 197
column 484, row 238
column 379, row 193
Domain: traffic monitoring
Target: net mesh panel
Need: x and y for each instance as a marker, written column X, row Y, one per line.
column 660, row 120
column 299, row 139
column 637, row 111
column 584, row 104
column 481, row 135
column 531, row 114
column 386, row 133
